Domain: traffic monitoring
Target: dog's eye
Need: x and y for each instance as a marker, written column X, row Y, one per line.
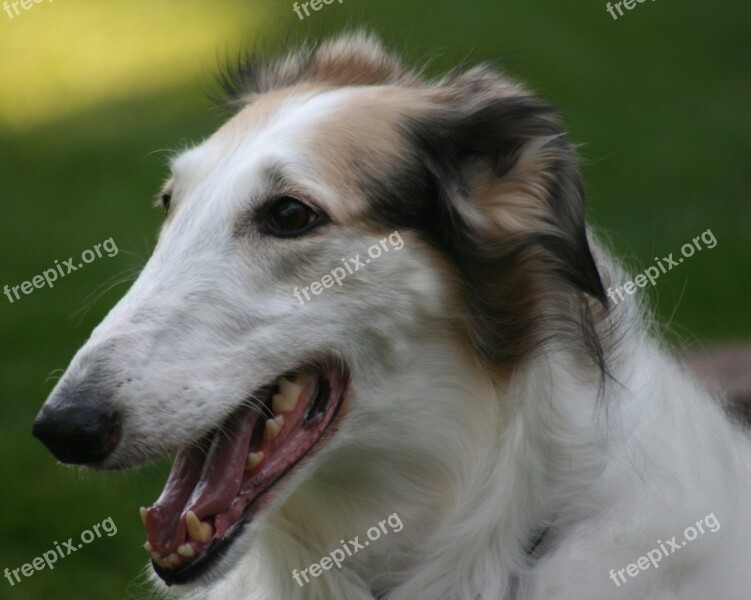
column 289, row 217
column 165, row 199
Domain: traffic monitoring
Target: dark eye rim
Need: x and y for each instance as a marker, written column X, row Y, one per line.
column 164, row 200
column 319, row 217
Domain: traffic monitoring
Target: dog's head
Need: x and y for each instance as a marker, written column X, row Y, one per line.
column 339, row 264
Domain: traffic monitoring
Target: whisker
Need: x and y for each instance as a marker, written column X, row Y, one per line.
column 103, row 288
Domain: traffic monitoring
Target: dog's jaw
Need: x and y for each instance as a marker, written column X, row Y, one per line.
column 393, row 455
column 222, row 482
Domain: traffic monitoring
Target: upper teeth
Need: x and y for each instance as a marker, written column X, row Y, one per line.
column 286, row 399
column 273, row 427
column 198, row 531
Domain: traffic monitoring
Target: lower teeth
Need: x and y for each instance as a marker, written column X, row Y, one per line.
column 198, row 531
column 289, row 394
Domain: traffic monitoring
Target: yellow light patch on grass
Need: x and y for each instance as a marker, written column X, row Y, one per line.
column 61, row 56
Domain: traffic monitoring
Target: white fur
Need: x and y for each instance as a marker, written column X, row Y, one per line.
column 474, row 468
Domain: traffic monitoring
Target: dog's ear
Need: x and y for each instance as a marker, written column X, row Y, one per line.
column 508, row 209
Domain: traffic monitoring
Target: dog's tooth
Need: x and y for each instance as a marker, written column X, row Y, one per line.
column 156, row 557
column 288, row 394
column 289, row 388
column 286, row 399
column 144, row 513
column 273, row 427
column 283, row 403
column 186, row 551
column 168, row 562
column 254, row 459
column 198, row 531
column 148, row 547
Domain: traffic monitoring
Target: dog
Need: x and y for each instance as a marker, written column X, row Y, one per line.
column 468, row 417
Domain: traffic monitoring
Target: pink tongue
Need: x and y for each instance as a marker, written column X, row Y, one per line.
column 163, row 525
column 224, row 467
column 203, row 481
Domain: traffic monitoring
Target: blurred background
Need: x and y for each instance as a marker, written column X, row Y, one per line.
column 94, row 95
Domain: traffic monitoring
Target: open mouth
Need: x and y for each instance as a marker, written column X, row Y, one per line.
column 215, row 484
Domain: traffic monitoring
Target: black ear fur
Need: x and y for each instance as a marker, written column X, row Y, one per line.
column 523, row 288
column 496, row 132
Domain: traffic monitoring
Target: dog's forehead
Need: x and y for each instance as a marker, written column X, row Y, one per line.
column 328, row 141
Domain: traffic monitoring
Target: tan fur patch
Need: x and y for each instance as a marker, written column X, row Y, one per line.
column 361, row 139
column 508, row 214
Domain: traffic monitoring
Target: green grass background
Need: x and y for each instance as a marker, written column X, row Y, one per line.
column 93, row 93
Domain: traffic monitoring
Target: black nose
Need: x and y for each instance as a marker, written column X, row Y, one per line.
column 78, row 431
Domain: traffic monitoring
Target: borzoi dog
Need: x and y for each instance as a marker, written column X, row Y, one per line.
column 533, row 440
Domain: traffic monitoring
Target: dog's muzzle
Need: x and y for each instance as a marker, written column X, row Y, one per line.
column 78, row 429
